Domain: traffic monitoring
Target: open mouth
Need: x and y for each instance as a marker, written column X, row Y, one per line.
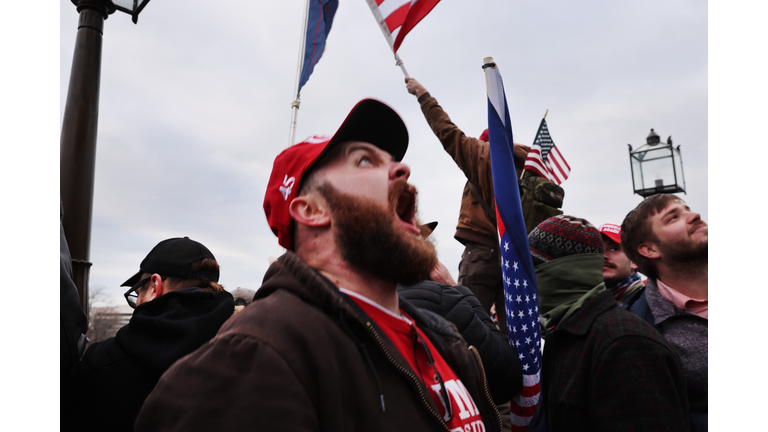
column 405, row 209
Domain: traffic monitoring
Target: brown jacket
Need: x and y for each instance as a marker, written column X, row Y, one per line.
column 473, row 157
column 304, row 357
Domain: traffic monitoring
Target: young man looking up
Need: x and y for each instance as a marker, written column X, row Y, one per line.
column 327, row 344
column 668, row 242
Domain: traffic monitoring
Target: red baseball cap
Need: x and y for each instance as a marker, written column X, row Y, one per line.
column 612, row 231
column 369, row 121
column 484, row 136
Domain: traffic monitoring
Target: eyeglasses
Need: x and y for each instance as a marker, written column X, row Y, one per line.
column 131, row 296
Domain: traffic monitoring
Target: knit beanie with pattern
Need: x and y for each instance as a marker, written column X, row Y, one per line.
column 561, row 236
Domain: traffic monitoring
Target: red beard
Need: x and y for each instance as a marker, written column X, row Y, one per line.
column 371, row 238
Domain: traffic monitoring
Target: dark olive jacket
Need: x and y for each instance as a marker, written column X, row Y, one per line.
column 304, row 357
column 604, row 368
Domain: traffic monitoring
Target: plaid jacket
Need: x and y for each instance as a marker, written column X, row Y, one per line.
column 605, row 369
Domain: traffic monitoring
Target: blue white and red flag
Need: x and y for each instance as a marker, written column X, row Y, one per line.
column 319, row 20
column 521, row 298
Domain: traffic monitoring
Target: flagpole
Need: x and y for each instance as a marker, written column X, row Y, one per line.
column 399, row 62
column 296, row 102
column 385, row 31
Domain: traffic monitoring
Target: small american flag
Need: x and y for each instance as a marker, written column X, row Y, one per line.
column 398, row 17
column 521, row 298
column 545, row 159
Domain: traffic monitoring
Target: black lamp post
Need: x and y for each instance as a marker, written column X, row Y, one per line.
column 656, row 167
column 79, row 129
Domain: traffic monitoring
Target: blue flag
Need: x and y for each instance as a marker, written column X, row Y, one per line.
column 521, row 297
column 319, row 20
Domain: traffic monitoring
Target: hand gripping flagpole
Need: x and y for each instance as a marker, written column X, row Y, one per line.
column 296, row 102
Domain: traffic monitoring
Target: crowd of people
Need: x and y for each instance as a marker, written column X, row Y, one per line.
column 358, row 326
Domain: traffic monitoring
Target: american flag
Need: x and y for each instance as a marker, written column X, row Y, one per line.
column 545, row 159
column 319, row 19
column 521, row 299
column 398, row 17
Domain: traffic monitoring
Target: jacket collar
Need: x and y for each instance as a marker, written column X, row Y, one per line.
column 564, row 284
column 580, row 322
column 661, row 307
column 292, row 274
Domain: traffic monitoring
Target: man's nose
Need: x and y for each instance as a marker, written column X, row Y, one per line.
column 399, row 170
column 693, row 217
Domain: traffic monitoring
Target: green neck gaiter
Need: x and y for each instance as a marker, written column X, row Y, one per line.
column 564, row 284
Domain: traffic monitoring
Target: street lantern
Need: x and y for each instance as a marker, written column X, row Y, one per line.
column 131, row 7
column 656, row 167
column 77, row 155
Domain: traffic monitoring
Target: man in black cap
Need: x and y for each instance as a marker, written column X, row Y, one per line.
column 179, row 306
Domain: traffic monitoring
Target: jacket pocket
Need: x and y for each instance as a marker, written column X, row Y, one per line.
column 476, row 256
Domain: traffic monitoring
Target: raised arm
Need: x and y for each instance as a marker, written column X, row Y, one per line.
column 472, row 155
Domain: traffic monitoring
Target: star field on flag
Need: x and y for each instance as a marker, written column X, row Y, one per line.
column 522, row 315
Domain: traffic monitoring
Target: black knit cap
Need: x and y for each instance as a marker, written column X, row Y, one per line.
column 561, row 236
column 173, row 257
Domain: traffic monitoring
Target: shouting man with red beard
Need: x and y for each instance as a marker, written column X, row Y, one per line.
column 327, row 344
column 668, row 242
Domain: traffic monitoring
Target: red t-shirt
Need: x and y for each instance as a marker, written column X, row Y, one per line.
column 403, row 334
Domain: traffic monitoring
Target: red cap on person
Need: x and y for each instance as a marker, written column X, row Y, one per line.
column 612, row 231
column 484, row 136
column 369, row 121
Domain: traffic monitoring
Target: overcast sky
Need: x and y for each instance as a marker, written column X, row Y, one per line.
column 195, row 105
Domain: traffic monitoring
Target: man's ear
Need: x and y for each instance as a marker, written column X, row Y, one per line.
column 649, row 250
column 156, row 287
column 310, row 210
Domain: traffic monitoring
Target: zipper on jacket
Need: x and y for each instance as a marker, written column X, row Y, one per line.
column 485, row 386
column 414, row 379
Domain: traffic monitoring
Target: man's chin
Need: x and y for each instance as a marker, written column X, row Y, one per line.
column 373, row 239
column 612, row 278
column 609, row 274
